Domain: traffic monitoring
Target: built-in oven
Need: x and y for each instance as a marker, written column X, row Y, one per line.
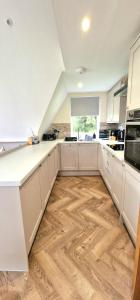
column 132, row 138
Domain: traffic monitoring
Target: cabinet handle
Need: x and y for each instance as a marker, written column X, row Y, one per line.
column 49, row 155
column 123, row 164
column 40, row 165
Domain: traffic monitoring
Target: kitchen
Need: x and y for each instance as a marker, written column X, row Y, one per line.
column 69, row 161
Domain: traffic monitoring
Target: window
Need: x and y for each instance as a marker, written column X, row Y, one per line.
column 84, row 127
column 85, row 117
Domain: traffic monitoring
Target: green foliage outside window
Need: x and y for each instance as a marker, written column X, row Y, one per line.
column 84, row 124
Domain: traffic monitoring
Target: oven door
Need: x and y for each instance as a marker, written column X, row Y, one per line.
column 132, row 144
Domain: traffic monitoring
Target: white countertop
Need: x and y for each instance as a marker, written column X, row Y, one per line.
column 18, row 165
column 118, row 154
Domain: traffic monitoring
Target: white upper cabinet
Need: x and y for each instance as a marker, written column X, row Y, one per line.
column 133, row 98
column 110, row 107
column 116, row 106
column 88, row 156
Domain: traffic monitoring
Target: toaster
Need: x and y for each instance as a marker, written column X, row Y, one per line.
column 49, row 137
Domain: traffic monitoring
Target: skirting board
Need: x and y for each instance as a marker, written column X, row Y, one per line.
column 78, row 173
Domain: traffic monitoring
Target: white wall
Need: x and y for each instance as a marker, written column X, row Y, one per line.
column 58, row 98
column 64, row 113
column 30, row 66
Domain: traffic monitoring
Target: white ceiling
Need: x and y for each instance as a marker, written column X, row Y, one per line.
column 104, row 50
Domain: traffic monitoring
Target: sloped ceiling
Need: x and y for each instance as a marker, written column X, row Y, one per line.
column 57, row 100
column 104, row 50
column 30, row 65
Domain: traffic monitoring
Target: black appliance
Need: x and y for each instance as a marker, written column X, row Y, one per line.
column 132, row 138
column 104, row 134
column 119, row 134
column 116, row 147
column 49, row 136
column 70, row 139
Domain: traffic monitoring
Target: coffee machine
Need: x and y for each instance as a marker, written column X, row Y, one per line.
column 118, row 134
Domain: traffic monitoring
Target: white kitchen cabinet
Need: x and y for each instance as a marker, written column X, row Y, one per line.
column 133, row 97
column 52, row 168
column 117, row 182
column 110, row 107
column 101, row 159
column 88, row 156
column 69, row 156
column 57, row 159
column 107, row 168
column 116, row 106
column 31, row 204
column 45, row 186
column 131, row 200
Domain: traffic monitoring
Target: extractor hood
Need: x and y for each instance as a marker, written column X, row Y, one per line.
column 122, row 91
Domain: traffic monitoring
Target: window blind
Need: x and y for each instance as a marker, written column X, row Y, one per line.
column 86, row 106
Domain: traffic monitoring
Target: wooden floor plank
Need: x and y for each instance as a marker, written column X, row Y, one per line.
column 81, row 251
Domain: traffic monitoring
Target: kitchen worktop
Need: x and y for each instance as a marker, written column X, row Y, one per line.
column 18, row 165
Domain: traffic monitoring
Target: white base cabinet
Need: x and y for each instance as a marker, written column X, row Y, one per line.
column 117, row 182
column 107, row 156
column 69, row 157
column 31, row 207
column 21, row 212
column 79, row 157
column 131, row 200
column 88, row 156
column 35, row 194
column 111, row 170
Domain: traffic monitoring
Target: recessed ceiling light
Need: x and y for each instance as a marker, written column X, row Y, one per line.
column 80, row 85
column 85, row 24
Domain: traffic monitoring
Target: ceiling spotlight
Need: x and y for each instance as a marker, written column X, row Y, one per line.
column 85, row 24
column 80, row 85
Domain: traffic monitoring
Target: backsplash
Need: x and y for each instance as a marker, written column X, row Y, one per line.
column 104, row 126
column 65, row 129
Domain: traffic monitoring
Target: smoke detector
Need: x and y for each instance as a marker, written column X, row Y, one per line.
column 81, row 70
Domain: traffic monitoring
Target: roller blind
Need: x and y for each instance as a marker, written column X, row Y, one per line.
column 86, row 106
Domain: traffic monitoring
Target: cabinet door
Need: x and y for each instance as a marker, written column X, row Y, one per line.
column 31, row 207
column 69, row 156
column 57, row 160
column 52, row 170
column 133, row 99
column 88, row 158
column 101, row 159
column 107, row 168
column 116, row 109
column 45, row 186
column 131, row 203
column 117, row 182
column 110, row 107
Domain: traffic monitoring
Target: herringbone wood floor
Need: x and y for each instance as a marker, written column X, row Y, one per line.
column 81, row 251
